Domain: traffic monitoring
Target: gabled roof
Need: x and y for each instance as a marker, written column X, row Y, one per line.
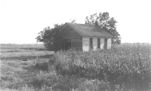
column 87, row 30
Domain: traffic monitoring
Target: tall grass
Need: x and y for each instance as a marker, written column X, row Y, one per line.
column 128, row 66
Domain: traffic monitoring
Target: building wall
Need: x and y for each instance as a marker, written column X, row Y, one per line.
column 76, row 44
column 103, row 44
column 74, row 37
column 83, row 43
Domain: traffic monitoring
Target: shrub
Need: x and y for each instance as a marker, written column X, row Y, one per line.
column 53, row 38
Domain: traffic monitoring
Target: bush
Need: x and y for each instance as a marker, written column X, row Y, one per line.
column 128, row 66
column 53, row 38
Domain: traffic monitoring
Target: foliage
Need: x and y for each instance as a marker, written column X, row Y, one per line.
column 52, row 38
column 128, row 66
column 104, row 21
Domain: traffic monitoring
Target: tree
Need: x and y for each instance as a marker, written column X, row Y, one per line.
column 104, row 21
column 52, row 38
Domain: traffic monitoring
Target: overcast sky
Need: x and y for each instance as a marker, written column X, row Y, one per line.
column 21, row 20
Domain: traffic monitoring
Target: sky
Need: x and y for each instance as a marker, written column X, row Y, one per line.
column 22, row 20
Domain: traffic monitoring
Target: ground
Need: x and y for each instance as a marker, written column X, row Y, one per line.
column 17, row 60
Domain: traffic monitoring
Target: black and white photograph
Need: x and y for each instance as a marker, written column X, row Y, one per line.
column 75, row 45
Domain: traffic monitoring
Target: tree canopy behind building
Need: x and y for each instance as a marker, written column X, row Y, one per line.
column 103, row 20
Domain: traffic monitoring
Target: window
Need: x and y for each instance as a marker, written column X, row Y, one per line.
column 98, row 45
column 105, row 45
column 91, row 43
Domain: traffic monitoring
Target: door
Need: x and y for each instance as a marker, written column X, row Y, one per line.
column 66, row 44
column 91, row 43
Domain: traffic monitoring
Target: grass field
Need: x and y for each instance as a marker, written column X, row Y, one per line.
column 23, row 52
column 29, row 64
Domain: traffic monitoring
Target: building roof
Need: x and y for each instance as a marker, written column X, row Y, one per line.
column 87, row 30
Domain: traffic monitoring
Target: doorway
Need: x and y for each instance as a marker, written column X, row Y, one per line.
column 67, row 44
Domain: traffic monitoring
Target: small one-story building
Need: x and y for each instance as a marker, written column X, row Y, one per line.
column 86, row 37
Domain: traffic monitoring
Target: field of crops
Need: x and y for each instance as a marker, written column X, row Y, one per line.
column 126, row 67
